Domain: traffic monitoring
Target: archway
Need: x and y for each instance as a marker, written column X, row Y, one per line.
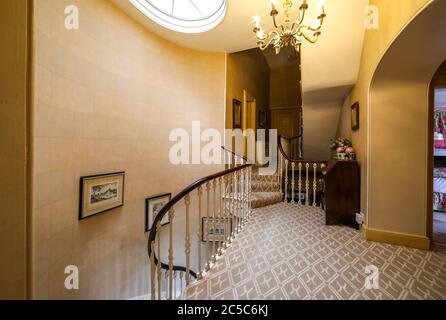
column 400, row 143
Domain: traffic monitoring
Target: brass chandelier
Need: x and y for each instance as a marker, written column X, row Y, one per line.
column 290, row 33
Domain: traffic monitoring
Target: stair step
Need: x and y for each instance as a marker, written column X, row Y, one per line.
column 264, row 199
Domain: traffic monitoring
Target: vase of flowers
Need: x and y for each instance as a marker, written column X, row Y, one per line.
column 343, row 149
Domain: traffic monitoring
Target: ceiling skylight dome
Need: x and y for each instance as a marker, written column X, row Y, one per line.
column 187, row 16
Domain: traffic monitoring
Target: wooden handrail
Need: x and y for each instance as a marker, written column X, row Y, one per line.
column 237, row 155
column 165, row 210
column 294, row 160
column 290, row 139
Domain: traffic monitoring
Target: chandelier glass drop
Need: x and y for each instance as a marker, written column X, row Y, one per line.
column 290, row 33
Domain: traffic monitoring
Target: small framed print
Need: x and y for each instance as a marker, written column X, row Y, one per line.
column 236, row 114
column 355, row 116
column 217, row 233
column 101, row 193
column 153, row 207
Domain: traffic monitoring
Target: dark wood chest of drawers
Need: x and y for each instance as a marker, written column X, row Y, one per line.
column 342, row 193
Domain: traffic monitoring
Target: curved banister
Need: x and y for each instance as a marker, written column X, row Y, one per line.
column 291, row 139
column 237, row 155
column 288, row 158
column 165, row 210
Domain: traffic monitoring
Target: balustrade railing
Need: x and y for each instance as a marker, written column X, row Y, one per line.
column 301, row 181
column 207, row 215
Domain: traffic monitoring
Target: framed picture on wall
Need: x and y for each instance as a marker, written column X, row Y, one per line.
column 217, row 233
column 237, row 114
column 355, row 116
column 153, row 208
column 262, row 119
column 101, row 193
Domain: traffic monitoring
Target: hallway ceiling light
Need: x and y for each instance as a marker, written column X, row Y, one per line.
column 291, row 33
column 186, row 16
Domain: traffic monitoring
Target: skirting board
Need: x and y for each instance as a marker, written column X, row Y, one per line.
column 396, row 238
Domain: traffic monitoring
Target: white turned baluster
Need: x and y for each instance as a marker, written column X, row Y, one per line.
column 214, row 221
column 199, row 234
column 323, row 170
column 159, row 269
column 187, row 239
column 208, row 216
column 166, row 284
column 281, row 173
column 171, row 256
column 221, row 217
column 307, row 184
column 300, row 183
column 247, row 195
column 286, row 181
column 314, row 184
column 227, row 211
column 181, row 285
column 234, row 229
column 293, row 183
column 152, row 269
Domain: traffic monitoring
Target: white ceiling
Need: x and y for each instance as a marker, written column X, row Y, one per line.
column 332, row 62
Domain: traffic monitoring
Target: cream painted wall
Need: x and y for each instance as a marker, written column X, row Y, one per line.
column 107, row 96
column 247, row 70
column 394, row 15
column 400, row 143
column 320, row 125
column 13, row 142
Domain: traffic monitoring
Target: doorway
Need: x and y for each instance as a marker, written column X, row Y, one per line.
column 249, row 115
column 438, row 112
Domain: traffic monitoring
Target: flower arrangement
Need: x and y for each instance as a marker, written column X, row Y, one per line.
column 343, row 148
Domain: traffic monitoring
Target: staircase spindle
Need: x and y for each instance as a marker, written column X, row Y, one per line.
column 250, row 190
column 314, row 184
column 152, row 270
column 286, row 181
column 241, row 190
column 208, row 216
column 171, row 254
column 293, row 183
column 187, row 240
column 281, row 173
column 307, row 184
column 199, row 233
column 158, row 233
column 227, row 211
column 300, row 183
column 220, row 220
column 214, row 221
column 234, row 192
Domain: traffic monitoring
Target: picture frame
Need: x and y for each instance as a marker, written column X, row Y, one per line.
column 153, row 206
column 100, row 193
column 237, row 114
column 263, row 119
column 355, row 116
column 221, row 224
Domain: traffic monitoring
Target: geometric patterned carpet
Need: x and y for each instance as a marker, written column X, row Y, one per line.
column 287, row 252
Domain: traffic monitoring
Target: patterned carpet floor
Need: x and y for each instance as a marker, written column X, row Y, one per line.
column 287, row 252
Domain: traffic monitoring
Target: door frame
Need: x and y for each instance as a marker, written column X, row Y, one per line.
column 437, row 82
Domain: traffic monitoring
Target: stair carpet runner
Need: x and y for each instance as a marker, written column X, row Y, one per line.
column 265, row 190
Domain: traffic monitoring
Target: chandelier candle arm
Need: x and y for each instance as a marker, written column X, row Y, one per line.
column 289, row 34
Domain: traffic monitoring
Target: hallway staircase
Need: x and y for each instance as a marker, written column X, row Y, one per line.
column 207, row 218
column 265, row 190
